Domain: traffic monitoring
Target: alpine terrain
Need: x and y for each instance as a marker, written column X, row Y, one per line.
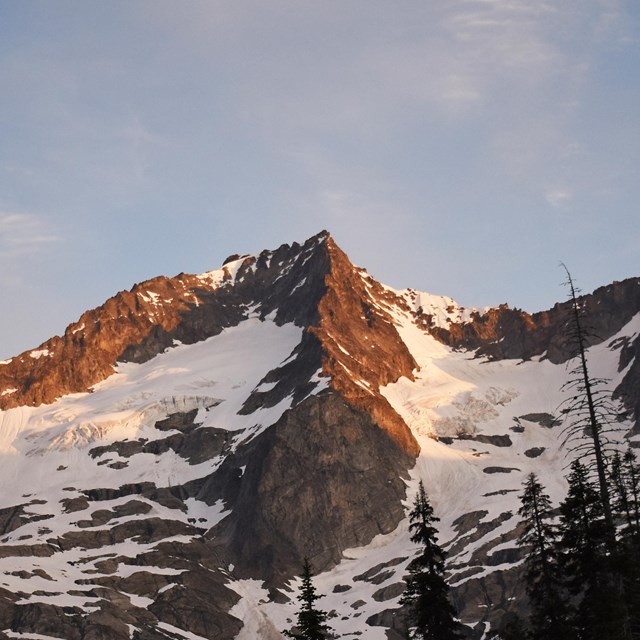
column 170, row 461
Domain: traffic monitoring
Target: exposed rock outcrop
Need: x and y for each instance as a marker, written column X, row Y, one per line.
column 323, row 479
column 503, row 332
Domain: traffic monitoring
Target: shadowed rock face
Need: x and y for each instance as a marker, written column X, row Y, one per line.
column 628, row 391
column 323, row 479
column 197, row 600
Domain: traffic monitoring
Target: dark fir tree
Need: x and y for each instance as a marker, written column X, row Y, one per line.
column 632, row 481
column 625, row 477
column 549, row 611
column 311, row 621
column 431, row 614
column 582, row 529
column 625, row 482
column 600, row 611
column 622, row 499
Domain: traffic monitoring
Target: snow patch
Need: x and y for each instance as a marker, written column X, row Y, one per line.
column 150, row 297
column 224, row 276
column 78, row 329
column 255, row 613
column 39, row 353
column 300, row 284
column 205, row 515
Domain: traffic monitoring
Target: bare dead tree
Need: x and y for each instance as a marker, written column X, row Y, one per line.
column 590, row 416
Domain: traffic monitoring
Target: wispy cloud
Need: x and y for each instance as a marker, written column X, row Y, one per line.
column 558, row 197
column 24, row 234
column 437, row 56
column 348, row 95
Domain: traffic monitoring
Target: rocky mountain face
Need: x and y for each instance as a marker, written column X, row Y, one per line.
column 504, row 333
column 171, row 459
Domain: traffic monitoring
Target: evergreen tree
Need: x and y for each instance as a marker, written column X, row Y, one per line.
column 311, row 622
column 631, row 479
column 601, row 611
column 632, row 471
column 622, row 498
column 625, row 477
column 549, row 613
column 431, row 614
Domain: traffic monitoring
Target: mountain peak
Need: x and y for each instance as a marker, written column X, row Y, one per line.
column 285, row 284
column 282, row 406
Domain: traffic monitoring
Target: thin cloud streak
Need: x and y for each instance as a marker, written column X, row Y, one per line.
column 24, row 234
column 558, row 197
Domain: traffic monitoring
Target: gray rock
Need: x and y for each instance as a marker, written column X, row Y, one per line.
column 390, row 592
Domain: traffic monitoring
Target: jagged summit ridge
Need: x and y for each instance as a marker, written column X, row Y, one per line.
column 138, row 324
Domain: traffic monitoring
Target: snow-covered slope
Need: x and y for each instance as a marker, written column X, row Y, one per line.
column 48, row 466
column 284, row 406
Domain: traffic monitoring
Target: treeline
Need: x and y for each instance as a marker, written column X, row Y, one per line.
column 582, row 569
column 582, row 572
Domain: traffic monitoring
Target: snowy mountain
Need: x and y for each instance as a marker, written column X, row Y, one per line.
column 169, row 461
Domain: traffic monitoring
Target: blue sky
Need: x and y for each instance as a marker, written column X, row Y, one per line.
column 461, row 147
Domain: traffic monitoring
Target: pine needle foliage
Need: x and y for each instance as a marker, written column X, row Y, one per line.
column 431, row 613
column 311, row 621
column 601, row 609
column 582, row 530
column 625, row 481
column 549, row 611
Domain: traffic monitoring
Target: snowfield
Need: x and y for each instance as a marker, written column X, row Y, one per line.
column 44, row 455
